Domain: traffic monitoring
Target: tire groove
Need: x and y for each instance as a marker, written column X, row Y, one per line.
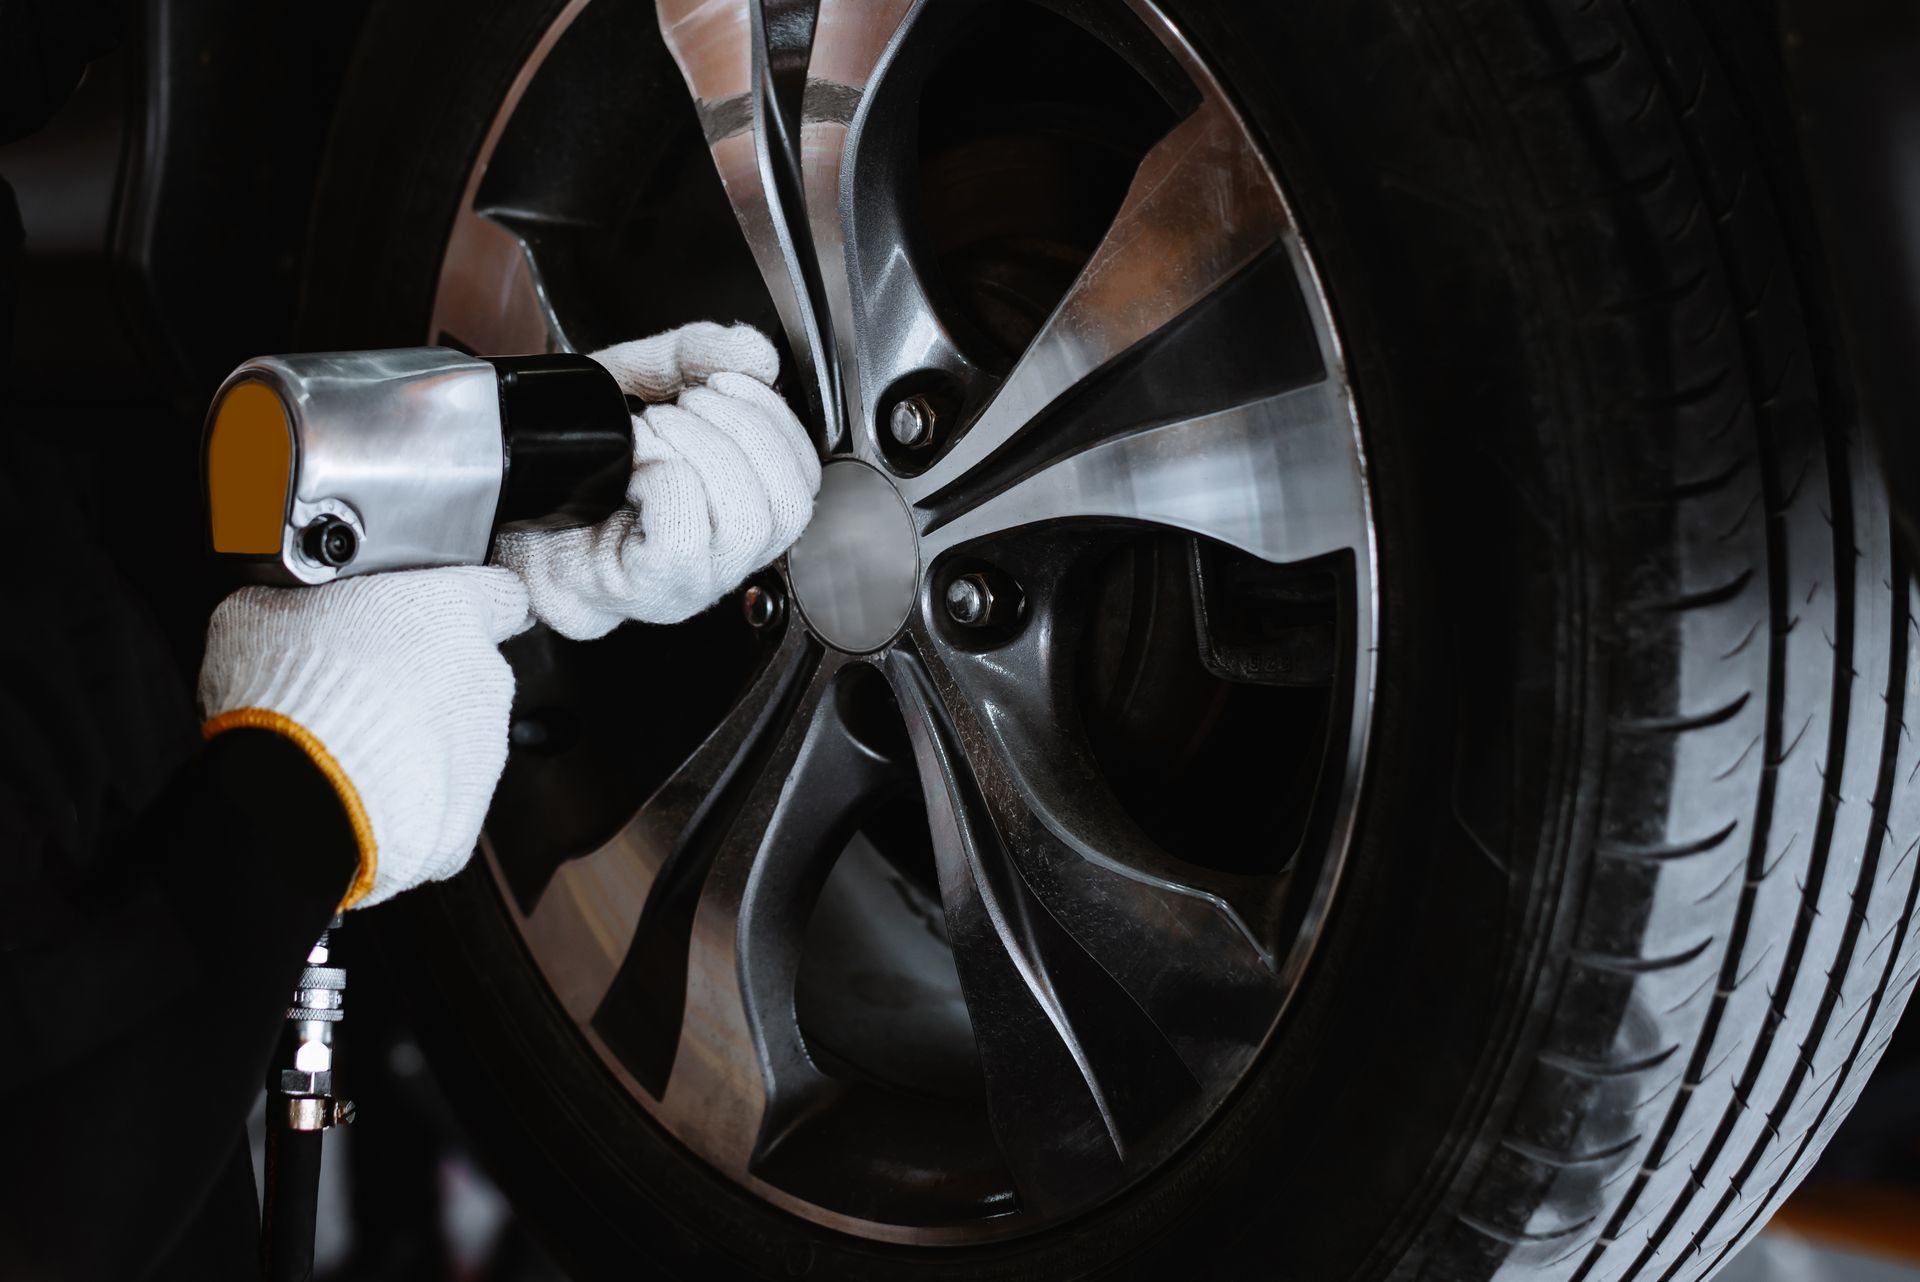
column 1599, row 1069
column 1622, row 965
column 1707, row 484
column 1664, row 851
column 1567, row 1161
column 1683, row 722
column 1718, row 594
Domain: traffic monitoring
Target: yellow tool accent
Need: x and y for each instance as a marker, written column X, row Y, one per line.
column 249, row 456
column 309, row 743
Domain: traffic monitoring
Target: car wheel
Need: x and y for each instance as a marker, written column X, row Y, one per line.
column 1341, row 713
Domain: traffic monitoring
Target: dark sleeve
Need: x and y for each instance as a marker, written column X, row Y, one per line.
column 138, row 1037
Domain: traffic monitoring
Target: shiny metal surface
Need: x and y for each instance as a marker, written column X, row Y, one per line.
column 1200, row 208
column 1117, row 993
column 760, row 606
column 1278, row 478
column 969, row 600
column 402, row 445
column 315, row 1113
column 910, row 422
column 304, row 1100
column 855, row 570
column 488, row 273
column 584, row 923
column 490, row 297
column 882, row 324
column 720, row 48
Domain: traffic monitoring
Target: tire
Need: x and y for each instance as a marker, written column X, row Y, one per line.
column 1629, row 916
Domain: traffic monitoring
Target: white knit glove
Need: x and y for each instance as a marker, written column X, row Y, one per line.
column 395, row 686
column 723, row 482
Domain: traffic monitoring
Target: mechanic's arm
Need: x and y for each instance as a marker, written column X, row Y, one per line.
column 171, row 995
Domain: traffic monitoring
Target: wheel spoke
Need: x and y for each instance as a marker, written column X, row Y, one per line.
column 850, row 41
column 1083, row 1051
column 491, row 298
column 1279, row 478
column 733, row 1032
column 1074, row 828
column 1105, row 879
column 765, row 883
column 1200, row 208
column 883, row 324
column 688, row 1037
column 583, row 925
column 722, row 53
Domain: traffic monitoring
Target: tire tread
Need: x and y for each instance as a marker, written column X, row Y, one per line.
column 1805, row 971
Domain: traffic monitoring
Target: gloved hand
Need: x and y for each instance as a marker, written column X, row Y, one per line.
column 394, row 684
column 723, row 482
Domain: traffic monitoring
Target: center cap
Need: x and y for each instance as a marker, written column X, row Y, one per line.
column 855, row 569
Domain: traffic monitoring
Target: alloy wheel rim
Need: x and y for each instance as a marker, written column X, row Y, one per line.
column 1114, row 994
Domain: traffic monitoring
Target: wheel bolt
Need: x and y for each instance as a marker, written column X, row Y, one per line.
column 911, row 422
column 970, row 600
column 761, row 607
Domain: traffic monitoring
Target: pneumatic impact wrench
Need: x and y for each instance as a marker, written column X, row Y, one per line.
column 338, row 463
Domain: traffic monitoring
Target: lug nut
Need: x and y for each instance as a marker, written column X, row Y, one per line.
column 761, row 607
column 985, row 598
column 970, row 600
column 911, row 422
